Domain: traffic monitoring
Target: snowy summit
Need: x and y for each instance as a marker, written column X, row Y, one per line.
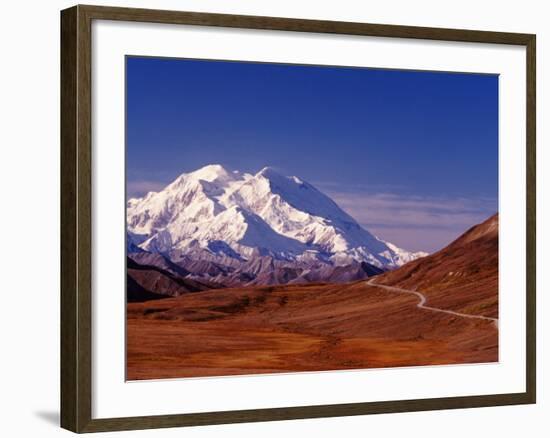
column 241, row 216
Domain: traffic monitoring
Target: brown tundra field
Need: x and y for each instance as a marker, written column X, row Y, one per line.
column 440, row 309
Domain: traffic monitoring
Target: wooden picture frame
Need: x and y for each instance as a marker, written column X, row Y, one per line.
column 76, row 218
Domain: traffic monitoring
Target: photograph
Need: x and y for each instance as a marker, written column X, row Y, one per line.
column 275, row 219
column 285, row 218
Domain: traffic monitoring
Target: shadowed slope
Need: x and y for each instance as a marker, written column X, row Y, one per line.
column 149, row 282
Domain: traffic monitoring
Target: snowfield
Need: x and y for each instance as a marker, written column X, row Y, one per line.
column 242, row 216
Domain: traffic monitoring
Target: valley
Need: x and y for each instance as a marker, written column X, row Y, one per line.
column 437, row 310
column 312, row 327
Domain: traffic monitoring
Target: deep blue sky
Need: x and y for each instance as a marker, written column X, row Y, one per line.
column 412, row 155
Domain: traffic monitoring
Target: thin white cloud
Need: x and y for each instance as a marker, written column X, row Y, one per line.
column 414, row 222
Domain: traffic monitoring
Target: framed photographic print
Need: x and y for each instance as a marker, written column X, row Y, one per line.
column 304, row 218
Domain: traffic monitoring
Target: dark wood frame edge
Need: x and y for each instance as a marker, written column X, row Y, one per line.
column 76, row 168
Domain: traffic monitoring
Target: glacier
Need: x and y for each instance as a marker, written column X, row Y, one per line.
column 214, row 213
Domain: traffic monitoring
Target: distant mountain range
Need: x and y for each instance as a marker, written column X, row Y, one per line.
column 225, row 228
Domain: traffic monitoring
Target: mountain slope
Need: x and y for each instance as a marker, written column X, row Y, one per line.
column 146, row 282
column 462, row 276
column 242, row 216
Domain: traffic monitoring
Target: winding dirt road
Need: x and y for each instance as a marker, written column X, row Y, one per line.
column 422, row 303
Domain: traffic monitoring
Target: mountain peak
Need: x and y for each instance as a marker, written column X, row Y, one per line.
column 210, row 172
column 486, row 229
column 268, row 172
column 270, row 212
column 272, row 174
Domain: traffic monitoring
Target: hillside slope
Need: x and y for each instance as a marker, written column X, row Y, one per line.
column 149, row 282
column 463, row 276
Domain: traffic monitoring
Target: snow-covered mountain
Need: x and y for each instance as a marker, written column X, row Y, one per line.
column 213, row 212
